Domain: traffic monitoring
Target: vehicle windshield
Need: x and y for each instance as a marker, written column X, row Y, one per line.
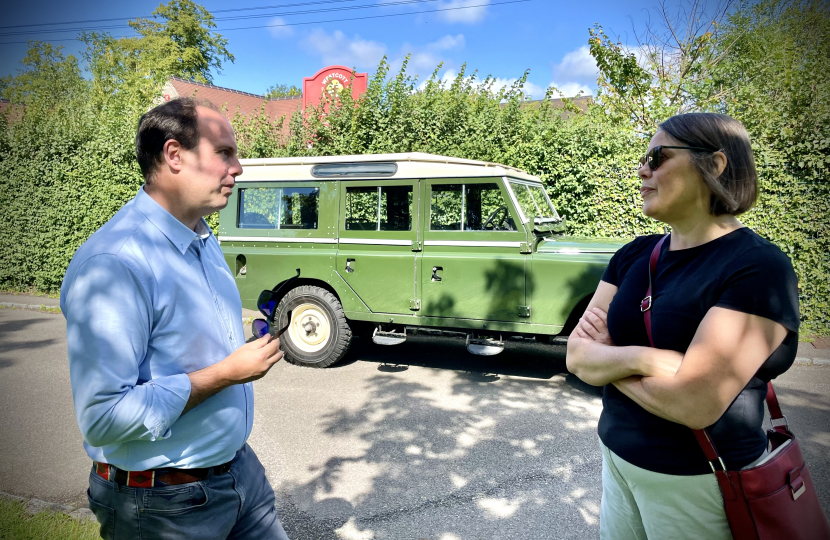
column 533, row 201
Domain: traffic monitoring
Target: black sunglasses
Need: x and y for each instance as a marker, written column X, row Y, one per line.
column 267, row 304
column 654, row 157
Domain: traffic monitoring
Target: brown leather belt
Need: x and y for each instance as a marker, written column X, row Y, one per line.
column 156, row 477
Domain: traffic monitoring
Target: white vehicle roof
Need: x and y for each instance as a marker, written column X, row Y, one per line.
column 410, row 165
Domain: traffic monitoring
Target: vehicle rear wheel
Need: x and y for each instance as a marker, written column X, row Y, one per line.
column 319, row 334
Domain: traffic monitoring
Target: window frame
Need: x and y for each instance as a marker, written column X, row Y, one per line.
column 507, row 198
column 278, row 218
column 408, row 235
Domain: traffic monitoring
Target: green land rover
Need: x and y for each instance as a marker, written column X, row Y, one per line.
column 387, row 242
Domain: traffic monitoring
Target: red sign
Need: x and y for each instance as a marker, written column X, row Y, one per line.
column 332, row 80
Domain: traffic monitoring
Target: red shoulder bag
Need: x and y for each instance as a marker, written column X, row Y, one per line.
column 775, row 499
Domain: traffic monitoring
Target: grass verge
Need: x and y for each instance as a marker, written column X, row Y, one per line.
column 16, row 525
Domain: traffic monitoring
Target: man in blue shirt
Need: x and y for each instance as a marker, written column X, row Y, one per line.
column 161, row 374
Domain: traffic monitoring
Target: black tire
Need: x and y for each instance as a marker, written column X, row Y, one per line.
column 325, row 308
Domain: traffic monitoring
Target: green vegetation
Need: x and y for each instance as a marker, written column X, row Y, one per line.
column 16, row 525
column 67, row 160
column 283, row 90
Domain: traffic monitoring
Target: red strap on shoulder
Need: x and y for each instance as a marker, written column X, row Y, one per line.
column 772, row 403
column 645, row 304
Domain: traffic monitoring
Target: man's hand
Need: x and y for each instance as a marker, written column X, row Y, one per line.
column 247, row 363
column 252, row 360
column 594, row 325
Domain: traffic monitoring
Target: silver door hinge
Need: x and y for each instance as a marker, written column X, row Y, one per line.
column 416, row 246
column 414, row 304
column 524, row 311
column 524, row 247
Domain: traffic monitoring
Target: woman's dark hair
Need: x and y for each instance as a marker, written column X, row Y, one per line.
column 177, row 120
column 735, row 190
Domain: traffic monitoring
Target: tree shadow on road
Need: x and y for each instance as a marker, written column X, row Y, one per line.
column 520, row 359
column 7, row 345
column 492, row 447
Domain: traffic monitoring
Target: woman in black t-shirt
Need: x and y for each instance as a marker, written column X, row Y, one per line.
column 724, row 322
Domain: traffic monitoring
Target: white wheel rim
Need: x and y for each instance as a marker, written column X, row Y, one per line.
column 310, row 328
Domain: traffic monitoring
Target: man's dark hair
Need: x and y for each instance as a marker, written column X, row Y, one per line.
column 735, row 190
column 177, row 120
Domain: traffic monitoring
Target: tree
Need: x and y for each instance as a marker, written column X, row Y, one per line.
column 179, row 44
column 183, row 44
column 767, row 65
column 283, row 90
column 670, row 68
column 776, row 65
column 67, row 157
column 47, row 77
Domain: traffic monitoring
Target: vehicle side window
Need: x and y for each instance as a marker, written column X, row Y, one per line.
column 379, row 208
column 298, row 208
column 485, row 209
column 278, row 208
column 445, row 207
column 469, row 207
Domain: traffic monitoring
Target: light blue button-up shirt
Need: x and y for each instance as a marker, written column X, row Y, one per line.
column 148, row 300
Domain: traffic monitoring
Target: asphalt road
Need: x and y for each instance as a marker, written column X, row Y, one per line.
column 418, row 441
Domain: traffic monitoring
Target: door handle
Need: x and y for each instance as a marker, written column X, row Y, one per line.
column 349, row 268
column 435, row 271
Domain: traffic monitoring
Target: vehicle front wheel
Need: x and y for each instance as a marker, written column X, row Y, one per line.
column 318, row 334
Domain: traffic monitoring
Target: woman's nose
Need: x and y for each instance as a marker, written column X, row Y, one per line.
column 644, row 171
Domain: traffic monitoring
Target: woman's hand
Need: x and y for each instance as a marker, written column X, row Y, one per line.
column 594, row 325
column 653, row 363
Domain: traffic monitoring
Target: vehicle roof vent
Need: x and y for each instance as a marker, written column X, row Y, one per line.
column 354, row 170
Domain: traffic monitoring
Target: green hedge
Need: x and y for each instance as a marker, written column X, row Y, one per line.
column 67, row 168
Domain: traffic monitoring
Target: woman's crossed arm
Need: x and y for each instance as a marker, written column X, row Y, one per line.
column 727, row 350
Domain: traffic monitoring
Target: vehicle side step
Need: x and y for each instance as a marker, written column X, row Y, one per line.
column 388, row 338
column 484, row 346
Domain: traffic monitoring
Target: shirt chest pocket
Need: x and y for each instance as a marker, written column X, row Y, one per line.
column 223, row 285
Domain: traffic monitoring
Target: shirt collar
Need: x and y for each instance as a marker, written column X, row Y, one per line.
column 179, row 234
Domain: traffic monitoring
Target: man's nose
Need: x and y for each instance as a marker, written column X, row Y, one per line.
column 236, row 168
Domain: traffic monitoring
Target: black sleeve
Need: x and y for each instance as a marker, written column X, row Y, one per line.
column 762, row 282
column 625, row 256
column 610, row 275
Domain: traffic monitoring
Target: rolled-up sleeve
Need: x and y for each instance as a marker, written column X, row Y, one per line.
column 108, row 314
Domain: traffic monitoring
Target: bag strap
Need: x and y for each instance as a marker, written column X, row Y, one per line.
column 645, row 303
column 702, row 436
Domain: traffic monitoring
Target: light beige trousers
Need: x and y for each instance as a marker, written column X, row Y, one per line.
column 642, row 505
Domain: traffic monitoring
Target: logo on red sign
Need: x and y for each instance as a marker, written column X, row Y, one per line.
column 330, row 81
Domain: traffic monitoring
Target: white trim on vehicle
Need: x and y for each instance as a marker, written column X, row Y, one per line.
column 413, row 165
column 295, row 239
column 376, row 241
column 471, row 243
column 575, row 251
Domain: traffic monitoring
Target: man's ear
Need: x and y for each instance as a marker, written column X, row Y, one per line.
column 172, row 153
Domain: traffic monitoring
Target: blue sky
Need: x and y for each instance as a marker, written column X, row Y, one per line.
column 499, row 39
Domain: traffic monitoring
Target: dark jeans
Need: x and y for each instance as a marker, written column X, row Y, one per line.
column 235, row 505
